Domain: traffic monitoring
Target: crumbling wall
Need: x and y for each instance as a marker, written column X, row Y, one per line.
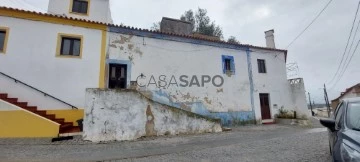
column 128, row 115
column 298, row 95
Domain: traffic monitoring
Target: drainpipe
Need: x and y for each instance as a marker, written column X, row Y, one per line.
column 248, row 55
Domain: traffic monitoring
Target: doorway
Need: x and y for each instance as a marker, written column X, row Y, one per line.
column 117, row 76
column 265, row 106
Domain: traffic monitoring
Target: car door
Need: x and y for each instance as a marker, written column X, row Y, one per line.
column 338, row 117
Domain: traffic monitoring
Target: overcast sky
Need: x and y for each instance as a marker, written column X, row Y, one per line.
column 317, row 52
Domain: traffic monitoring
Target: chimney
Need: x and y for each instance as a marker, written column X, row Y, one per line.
column 175, row 26
column 269, row 36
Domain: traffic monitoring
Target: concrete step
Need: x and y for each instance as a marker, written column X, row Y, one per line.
column 3, row 95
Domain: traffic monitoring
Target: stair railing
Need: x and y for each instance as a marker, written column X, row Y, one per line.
column 45, row 94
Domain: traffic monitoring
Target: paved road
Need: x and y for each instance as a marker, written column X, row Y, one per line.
column 253, row 143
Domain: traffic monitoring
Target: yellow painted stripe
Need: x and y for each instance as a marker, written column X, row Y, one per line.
column 19, row 123
column 50, row 19
column 102, row 60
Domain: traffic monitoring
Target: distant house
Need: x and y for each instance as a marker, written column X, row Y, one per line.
column 351, row 92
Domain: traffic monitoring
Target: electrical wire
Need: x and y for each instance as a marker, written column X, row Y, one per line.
column 317, row 16
column 346, row 47
column 352, row 42
column 346, row 66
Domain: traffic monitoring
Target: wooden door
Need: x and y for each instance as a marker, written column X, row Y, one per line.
column 265, row 106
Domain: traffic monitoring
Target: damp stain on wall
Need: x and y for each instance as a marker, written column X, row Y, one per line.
column 150, row 125
column 207, row 100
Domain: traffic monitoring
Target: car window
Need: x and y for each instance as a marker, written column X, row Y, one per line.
column 338, row 115
column 337, row 109
column 353, row 116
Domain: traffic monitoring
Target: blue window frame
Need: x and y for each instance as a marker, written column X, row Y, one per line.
column 228, row 64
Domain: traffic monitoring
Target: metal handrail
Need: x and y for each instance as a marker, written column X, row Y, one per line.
column 45, row 94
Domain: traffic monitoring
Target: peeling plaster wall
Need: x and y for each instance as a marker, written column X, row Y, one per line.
column 159, row 57
column 128, row 115
column 238, row 98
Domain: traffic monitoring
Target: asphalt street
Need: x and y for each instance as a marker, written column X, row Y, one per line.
column 248, row 143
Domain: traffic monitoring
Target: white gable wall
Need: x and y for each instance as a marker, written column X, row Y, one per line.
column 273, row 82
column 99, row 10
column 30, row 57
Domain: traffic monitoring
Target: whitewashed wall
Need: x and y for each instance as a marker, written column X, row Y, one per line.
column 157, row 57
column 274, row 81
column 5, row 106
column 127, row 115
column 99, row 10
column 30, row 57
column 298, row 93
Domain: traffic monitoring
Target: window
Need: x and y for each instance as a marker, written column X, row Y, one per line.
column 4, row 32
column 228, row 65
column 261, row 66
column 353, row 116
column 80, row 6
column 69, row 45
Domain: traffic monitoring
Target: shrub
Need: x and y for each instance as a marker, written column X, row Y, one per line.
column 285, row 114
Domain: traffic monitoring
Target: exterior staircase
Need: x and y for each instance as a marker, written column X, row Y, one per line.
column 65, row 127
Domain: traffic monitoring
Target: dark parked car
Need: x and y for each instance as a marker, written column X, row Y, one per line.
column 344, row 131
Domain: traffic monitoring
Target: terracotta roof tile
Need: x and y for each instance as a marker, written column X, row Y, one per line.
column 357, row 86
column 138, row 29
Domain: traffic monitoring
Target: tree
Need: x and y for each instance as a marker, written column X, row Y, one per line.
column 233, row 39
column 156, row 26
column 189, row 17
column 201, row 23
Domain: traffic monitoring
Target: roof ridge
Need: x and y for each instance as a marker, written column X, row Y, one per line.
column 138, row 29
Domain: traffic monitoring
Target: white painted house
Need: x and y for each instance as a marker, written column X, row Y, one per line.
column 46, row 63
column 93, row 10
column 74, row 47
column 254, row 78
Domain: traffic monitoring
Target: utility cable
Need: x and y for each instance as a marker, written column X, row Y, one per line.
column 346, row 66
column 346, row 47
column 317, row 16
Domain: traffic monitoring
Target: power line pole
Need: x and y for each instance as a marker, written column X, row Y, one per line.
column 314, row 104
column 327, row 100
column 312, row 113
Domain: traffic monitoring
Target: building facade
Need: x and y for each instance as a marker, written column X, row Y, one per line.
column 45, row 59
column 350, row 92
column 254, row 85
column 72, row 48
